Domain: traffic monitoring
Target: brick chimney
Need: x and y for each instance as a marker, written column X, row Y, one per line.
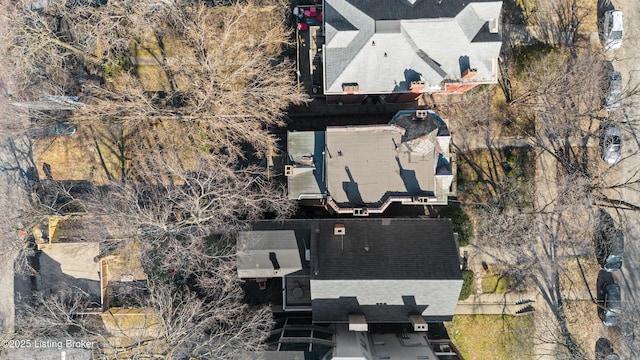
column 469, row 73
column 416, row 86
column 350, row 88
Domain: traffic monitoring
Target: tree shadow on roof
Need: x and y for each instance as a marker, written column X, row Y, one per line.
column 409, row 179
column 351, row 189
column 409, row 76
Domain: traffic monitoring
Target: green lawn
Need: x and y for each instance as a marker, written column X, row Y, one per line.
column 504, row 173
column 494, row 284
column 467, row 284
column 481, row 337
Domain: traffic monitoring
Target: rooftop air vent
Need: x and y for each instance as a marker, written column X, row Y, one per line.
column 339, row 229
column 307, row 160
column 421, row 114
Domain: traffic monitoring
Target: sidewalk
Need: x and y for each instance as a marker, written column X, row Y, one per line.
column 507, row 304
column 481, row 143
column 494, row 304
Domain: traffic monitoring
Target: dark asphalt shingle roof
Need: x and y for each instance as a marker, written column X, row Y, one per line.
column 402, row 249
column 411, row 266
column 399, row 248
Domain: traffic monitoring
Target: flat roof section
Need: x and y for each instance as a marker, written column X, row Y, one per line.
column 63, row 265
column 267, row 254
column 366, row 164
column 305, row 149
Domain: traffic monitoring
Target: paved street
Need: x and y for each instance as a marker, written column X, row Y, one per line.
column 627, row 61
column 12, row 201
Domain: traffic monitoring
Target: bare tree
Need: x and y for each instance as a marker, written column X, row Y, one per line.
column 194, row 92
column 560, row 22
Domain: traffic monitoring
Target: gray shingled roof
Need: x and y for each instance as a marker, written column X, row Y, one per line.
column 435, row 42
column 411, row 266
column 415, row 127
column 365, row 165
column 385, row 269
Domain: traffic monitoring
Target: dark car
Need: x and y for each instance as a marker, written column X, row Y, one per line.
column 609, row 242
column 604, row 350
column 615, row 91
column 610, row 306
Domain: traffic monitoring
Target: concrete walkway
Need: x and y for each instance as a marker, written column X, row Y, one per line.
column 509, row 303
column 494, row 304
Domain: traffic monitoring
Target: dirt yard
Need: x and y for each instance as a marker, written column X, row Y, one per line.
column 93, row 153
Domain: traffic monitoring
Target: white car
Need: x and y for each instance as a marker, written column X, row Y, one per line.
column 613, row 29
column 611, row 145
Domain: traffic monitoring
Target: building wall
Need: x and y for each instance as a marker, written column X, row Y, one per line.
column 351, row 345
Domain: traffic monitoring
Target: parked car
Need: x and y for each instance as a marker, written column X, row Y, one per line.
column 609, row 242
column 604, row 350
column 54, row 130
column 615, row 91
column 611, row 145
column 613, row 29
column 610, row 306
column 614, row 248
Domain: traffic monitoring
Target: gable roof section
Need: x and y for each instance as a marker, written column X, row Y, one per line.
column 383, row 48
column 384, row 301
